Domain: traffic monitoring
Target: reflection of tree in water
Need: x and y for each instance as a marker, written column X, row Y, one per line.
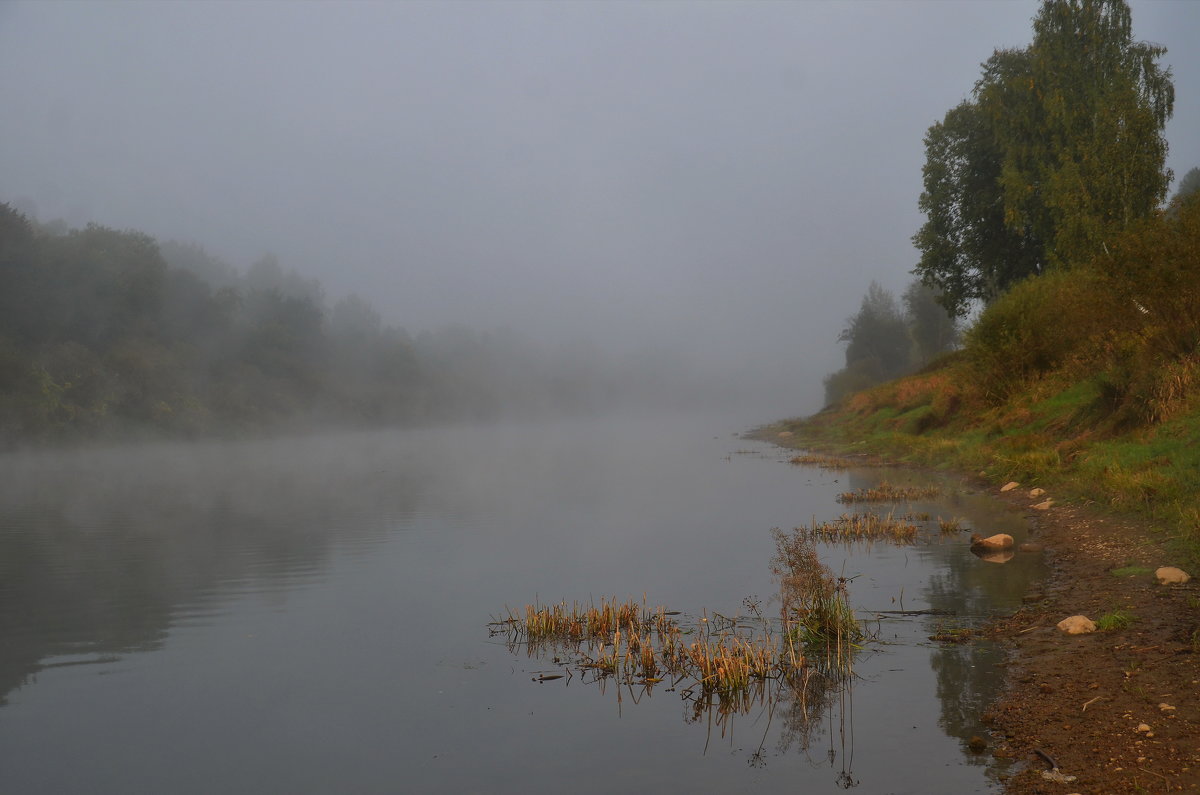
column 968, row 590
column 972, row 589
column 101, row 551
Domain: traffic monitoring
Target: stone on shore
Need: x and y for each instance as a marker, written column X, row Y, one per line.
column 1012, row 484
column 1036, row 492
column 1044, row 505
column 1169, row 575
column 998, row 541
column 1077, row 625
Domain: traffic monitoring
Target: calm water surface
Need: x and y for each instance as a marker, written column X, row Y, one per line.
column 310, row 616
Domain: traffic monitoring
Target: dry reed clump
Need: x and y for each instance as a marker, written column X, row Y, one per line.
column 950, row 526
column 886, row 492
column 578, row 622
column 815, row 610
column 635, row 644
column 863, row 527
column 724, row 658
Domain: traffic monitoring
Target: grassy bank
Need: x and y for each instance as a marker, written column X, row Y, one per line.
column 1084, row 380
column 1052, row 432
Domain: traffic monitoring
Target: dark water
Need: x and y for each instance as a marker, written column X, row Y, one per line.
column 310, row 615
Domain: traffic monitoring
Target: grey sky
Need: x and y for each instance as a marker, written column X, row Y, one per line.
column 722, row 178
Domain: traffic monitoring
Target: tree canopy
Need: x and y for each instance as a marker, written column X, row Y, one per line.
column 1059, row 149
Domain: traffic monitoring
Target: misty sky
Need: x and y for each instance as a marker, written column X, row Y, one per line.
column 723, row 179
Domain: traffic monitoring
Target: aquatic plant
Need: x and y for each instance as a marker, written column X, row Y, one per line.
column 886, row 492
column 576, row 622
column 633, row 643
column 949, row 526
column 863, row 527
column 814, row 603
column 722, row 665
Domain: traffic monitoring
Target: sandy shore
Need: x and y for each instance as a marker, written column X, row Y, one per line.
column 1086, row 701
column 1118, row 710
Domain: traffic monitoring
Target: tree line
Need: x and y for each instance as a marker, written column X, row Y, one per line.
column 105, row 332
column 887, row 338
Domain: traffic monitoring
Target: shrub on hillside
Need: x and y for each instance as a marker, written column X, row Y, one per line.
column 1154, row 271
column 1046, row 322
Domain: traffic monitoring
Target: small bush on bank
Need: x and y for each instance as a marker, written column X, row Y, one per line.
column 1044, row 323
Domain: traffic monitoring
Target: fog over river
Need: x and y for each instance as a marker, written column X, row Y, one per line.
column 311, row 615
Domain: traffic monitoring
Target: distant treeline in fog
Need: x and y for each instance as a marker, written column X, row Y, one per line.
column 106, row 333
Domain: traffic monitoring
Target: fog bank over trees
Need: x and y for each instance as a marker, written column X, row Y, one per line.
column 105, row 334
column 709, row 186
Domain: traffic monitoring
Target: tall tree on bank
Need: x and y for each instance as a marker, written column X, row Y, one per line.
column 1060, row 148
column 968, row 251
column 1095, row 133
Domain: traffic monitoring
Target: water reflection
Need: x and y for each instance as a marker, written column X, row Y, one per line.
column 102, row 552
column 965, row 588
column 309, row 611
column 958, row 592
column 800, row 705
column 722, row 668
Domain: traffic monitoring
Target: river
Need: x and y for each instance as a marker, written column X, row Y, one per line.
column 310, row 615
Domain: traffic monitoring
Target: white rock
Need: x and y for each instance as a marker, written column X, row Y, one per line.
column 1169, row 575
column 1012, row 484
column 1044, row 505
column 1143, row 727
column 1165, row 707
column 1036, row 492
column 1077, row 625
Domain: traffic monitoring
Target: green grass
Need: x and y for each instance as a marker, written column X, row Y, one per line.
column 1117, row 619
column 1054, row 432
column 1132, row 571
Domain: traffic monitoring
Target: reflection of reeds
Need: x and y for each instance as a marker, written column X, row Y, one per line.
column 863, row 527
column 721, row 666
column 886, row 492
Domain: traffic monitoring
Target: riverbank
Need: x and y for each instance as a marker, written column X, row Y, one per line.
column 1119, row 708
